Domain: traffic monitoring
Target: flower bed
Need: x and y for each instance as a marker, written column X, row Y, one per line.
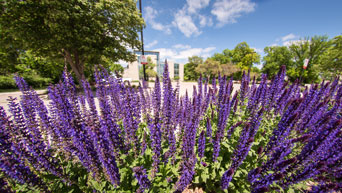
column 265, row 137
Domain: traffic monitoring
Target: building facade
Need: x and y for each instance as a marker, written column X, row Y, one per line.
column 176, row 70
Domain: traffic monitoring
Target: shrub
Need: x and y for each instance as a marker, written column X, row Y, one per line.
column 37, row 81
column 261, row 138
column 7, row 82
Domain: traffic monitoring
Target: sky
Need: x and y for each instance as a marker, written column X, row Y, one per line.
column 179, row 29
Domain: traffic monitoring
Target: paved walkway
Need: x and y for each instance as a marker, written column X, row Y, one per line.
column 184, row 86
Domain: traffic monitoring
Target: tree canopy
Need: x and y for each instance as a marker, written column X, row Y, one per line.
column 244, row 56
column 209, row 68
column 81, row 32
column 190, row 72
column 331, row 60
column 275, row 57
column 229, row 63
column 293, row 56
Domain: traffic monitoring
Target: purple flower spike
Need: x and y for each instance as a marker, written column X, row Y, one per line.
column 201, row 144
column 140, row 175
column 226, row 178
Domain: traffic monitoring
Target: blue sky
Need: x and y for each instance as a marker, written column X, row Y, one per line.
column 183, row 28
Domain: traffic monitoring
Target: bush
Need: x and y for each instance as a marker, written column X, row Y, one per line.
column 262, row 138
column 7, row 82
column 37, row 81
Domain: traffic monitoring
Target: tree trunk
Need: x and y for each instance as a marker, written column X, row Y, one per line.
column 77, row 65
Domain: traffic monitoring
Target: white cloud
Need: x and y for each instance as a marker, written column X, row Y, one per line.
column 149, row 45
column 182, row 55
column 205, row 21
column 150, row 15
column 257, row 50
column 290, row 36
column 195, row 5
column 209, row 49
column 185, row 24
column 185, row 18
column 227, row 11
column 181, row 46
column 166, row 52
column 296, row 42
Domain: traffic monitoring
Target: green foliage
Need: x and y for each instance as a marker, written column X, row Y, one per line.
column 37, row 71
column 7, row 82
column 233, row 62
column 244, row 56
column 331, row 60
column 212, row 68
column 30, row 65
column 275, row 57
column 208, row 178
column 189, row 68
column 209, row 68
column 224, row 58
column 79, row 31
column 229, row 69
column 311, row 49
column 314, row 49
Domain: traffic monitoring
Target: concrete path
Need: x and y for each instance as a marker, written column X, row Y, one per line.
column 184, row 86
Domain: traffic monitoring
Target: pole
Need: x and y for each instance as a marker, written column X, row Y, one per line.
column 142, row 43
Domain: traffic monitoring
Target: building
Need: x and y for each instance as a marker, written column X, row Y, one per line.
column 176, row 70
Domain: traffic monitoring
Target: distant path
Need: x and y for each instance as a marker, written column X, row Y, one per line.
column 5, row 95
column 184, row 86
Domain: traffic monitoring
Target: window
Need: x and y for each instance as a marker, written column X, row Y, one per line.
column 176, row 70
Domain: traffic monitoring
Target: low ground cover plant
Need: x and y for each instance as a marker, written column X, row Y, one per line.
column 261, row 138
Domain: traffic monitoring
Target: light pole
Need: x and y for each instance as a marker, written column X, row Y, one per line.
column 142, row 43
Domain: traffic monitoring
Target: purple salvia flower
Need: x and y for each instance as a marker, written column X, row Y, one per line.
column 143, row 181
column 42, row 158
column 226, row 178
column 144, row 144
column 201, row 144
column 244, row 145
column 156, row 97
column 187, row 173
column 326, row 187
column 284, row 126
column 156, row 135
column 244, row 87
column 232, row 129
column 12, row 164
column 209, row 130
column 223, row 114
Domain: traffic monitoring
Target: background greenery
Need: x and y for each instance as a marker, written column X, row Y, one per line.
column 325, row 61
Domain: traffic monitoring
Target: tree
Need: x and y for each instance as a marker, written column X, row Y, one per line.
column 224, row 58
column 28, row 64
column 209, row 68
column 311, row 49
column 275, row 57
column 9, row 54
column 244, row 56
column 229, row 69
column 331, row 60
column 79, row 31
column 190, row 68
